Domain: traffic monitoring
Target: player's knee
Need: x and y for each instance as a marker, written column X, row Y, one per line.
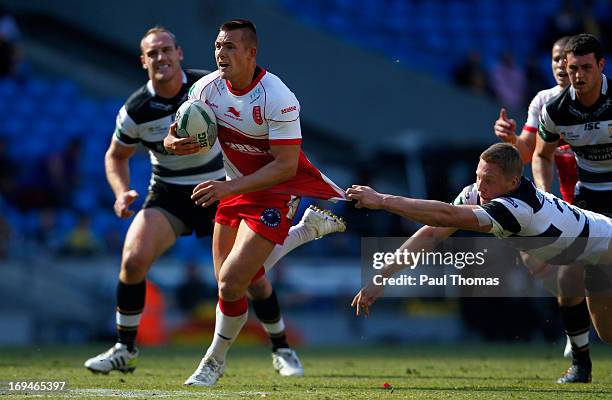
column 230, row 289
column 260, row 288
column 134, row 267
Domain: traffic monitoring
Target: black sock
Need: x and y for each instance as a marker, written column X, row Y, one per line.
column 268, row 312
column 577, row 323
column 130, row 304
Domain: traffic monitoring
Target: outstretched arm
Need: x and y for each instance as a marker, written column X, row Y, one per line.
column 426, row 238
column 428, row 212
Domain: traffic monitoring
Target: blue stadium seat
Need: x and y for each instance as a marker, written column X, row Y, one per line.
column 447, row 27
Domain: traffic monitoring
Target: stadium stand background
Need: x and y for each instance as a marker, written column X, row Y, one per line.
column 375, row 82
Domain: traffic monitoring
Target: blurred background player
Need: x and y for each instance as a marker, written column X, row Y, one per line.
column 581, row 116
column 168, row 211
column 505, row 128
column 566, row 167
column 260, row 136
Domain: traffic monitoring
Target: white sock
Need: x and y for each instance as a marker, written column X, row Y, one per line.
column 298, row 235
column 274, row 328
column 580, row 341
column 226, row 331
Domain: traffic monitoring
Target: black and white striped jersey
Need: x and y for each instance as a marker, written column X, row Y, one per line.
column 543, row 225
column 145, row 119
column 588, row 130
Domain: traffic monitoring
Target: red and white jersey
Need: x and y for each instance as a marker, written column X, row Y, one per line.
column 535, row 107
column 250, row 120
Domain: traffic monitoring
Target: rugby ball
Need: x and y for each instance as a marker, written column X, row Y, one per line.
column 196, row 119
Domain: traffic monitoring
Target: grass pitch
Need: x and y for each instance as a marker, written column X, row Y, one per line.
column 411, row 372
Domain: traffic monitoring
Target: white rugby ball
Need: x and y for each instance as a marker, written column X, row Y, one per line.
column 196, row 119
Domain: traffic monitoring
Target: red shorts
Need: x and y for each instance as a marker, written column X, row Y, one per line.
column 268, row 214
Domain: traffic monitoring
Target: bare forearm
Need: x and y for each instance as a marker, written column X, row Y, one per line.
column 542, row 169
column 117, row 174
column 267, row 176
column 425, row 239
column 427, row 212
column 525, row 144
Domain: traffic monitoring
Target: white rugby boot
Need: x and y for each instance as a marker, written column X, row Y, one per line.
column 287, row 363
column 116, row 358
column 322, row 222
column 207, row 374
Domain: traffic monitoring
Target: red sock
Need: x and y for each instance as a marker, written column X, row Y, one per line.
column 233, row 308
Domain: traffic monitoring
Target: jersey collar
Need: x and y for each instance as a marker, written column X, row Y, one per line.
column 150, row 84
column 260, row 72
column 604, row 87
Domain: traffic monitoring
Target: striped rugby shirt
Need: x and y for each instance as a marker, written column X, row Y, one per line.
column 145, row 119
column 588, row 130
column 543, row 225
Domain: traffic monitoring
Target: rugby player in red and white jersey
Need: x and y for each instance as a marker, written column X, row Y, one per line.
column 573, row 310
column 260, row 137
column 525, row 142
column 168, row 211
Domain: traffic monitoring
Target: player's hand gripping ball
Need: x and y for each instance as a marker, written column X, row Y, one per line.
column 196, row 119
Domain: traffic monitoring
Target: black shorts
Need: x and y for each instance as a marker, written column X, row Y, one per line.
column 176, row 200
column 599, row 201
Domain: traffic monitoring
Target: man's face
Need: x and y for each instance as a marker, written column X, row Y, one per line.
column 233, row 54
column 160, row 57
column 492, row 182
column 558, row 66
column 584, row 72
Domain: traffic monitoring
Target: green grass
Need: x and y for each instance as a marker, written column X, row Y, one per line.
column 414, row 372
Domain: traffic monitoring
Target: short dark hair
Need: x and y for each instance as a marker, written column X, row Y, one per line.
column 505, row 156
column 239, row 23
column 562, row 41
column 160, row 29
column 583, row 44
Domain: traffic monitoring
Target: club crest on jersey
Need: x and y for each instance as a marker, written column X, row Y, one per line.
column 257, row 115
column 271, row 217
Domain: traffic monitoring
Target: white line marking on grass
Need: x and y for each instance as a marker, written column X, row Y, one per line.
column 147, row 394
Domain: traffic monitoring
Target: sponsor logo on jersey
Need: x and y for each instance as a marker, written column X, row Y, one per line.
column 589, row 126
column 211, row 104
column 594, row 152
column 158, row 130
column 271, row 217
column 245, row 148
column 257, row 115
column 160, row 106
column 234, row 112
column 288, row 109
